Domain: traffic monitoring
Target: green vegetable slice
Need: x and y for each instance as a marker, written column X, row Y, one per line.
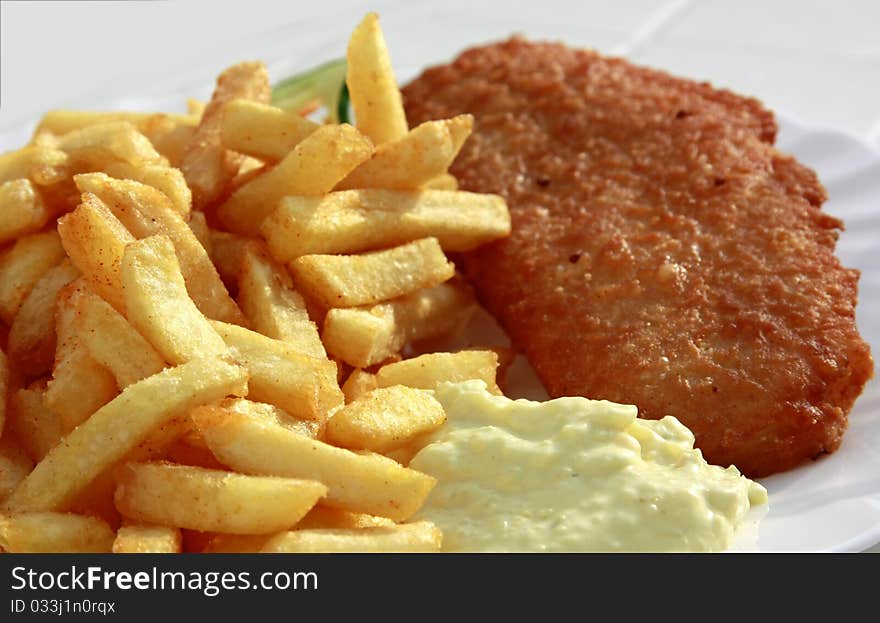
column 325, row 83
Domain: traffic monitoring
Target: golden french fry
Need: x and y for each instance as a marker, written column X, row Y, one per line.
column 95, row 241
column 31, row 340
column 169, row 133
column 22, row 209
column 198, row 223
column 262, row 411
column 92, row 147
column 351, row 280
column 207, row 165
column 113, row 343
column 147, row 539
column 358, row 383
column 323, row 517
column 79, row 384
column 15, row 464
column 421, row 536
column 313, row 167
column 158, row 305
column 429, row 370
column 281, row 375
column 352, row 221
column 145, row 211
column 96, row 499
column 263, row 131
column 45, row 532
column 375, row 98
column 366, row 336
column 213, row 501
column 42, row 164
column 36, row 428
column 22, row 266
column 184, row 454
column 168, row 180
column 405, row 454
column 195, row 109
column 364, row 483
column 4, row 389
column 446, row 181
column 272, row 306
column 60, row 122
column 115, row 429
column 227, row 252
column 385, row 419
column 236, row 544
column 421, row 155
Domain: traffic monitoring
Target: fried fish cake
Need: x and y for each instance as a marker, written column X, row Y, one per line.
column 663, row 253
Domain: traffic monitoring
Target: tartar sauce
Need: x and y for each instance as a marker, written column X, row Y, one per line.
column 574, row 475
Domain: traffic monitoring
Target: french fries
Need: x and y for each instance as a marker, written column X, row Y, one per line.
column 4, row 389
column 36, row 428
column 301, row 385
column 113, row 343
column 168, row 180
column 418, row 537
column 127, row 420
column 364, row 483
column 168, row 133
column 46, row 532
column 23, row 265
column 227, row 251
column 95, row 240
column 263, row 131
column 361, row 220
column 375, row 98
column 41, row 164
column 212, row 500
column 60, row 122
column 385, row 419
column 79, row 385
column 272, row 306
column 358, row 383
column 421, row 155
column 145, row 211
column 364, row 336
column 313, row 167
column 91, row 147
column 261, row 411
column 206, row 164
column 158, row 305
column 22, row 209
column 351, row 280
column 429, row 370
column 143, row 409
column 15, row 464
column 236, row 544
column 147, row 539
column 31, row 340
column 324, row 517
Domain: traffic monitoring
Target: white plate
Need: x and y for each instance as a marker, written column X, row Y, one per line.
column 830, row 505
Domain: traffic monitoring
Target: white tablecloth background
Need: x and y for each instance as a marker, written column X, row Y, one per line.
column 816, row 62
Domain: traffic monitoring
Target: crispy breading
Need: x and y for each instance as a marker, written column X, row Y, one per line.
column 663, row 252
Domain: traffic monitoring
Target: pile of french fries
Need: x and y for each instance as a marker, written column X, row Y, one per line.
column 210, row 321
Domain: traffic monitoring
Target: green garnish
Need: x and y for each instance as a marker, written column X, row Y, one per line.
column 324, row 83
column 342, row 107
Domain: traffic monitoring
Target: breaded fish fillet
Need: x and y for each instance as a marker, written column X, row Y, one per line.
column 663, row 252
